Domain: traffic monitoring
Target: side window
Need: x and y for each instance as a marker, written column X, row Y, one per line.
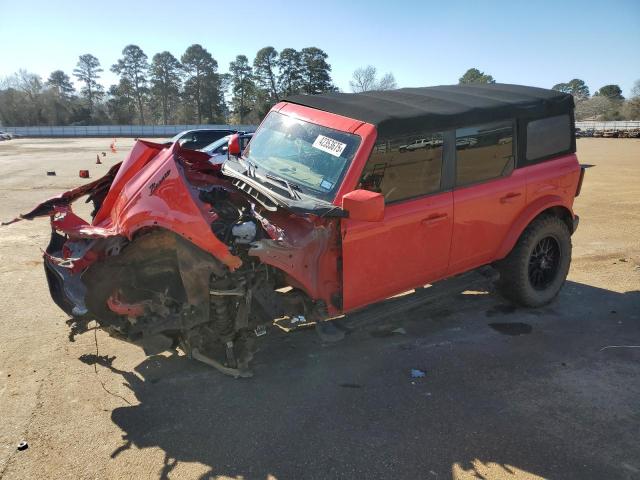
column 484, row 152
column 404, row 167
column 548, row 136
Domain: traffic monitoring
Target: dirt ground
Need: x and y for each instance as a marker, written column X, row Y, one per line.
column 553, row 402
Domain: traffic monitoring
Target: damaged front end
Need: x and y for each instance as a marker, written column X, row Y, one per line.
column 179, row 255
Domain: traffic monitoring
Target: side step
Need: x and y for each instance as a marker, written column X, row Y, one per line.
column 400, row 303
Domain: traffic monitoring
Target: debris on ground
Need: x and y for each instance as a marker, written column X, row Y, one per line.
column 619, row 346
column 417, row 373
column 298, row 319
column 399, row 331
column 23, row 446
column 84, row 174
column 51, row 173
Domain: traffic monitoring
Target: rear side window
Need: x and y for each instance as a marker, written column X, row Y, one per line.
column 484, row 152
column 548, row 136
column 405, row 167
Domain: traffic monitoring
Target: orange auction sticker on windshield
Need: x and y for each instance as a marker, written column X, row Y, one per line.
column 329, row 145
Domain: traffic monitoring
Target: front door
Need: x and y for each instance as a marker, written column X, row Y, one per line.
column 410, row 246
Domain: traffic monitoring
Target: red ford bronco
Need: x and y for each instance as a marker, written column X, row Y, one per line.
column 326, row 211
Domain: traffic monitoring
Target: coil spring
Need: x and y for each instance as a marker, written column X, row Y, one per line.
column 220, row 317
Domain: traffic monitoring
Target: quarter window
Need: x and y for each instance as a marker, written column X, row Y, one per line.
column 404, row 167
column 484, row 152
column 548, row 136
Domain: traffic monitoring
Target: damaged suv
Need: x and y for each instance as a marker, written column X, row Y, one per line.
column 320, row 215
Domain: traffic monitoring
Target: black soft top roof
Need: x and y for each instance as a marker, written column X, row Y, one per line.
column 414, row 110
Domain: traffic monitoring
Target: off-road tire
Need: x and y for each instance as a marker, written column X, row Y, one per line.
column 515, row 281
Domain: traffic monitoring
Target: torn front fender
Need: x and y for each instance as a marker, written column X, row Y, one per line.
column 149, row 189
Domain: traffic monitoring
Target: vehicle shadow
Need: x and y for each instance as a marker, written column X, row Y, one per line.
column 539, row 403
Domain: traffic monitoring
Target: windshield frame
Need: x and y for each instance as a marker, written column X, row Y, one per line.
column 318, row 193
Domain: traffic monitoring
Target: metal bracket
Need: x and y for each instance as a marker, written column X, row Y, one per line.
column 232, row 372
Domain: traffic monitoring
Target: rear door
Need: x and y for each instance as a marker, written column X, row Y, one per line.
column 488, row 195
column 410, row 246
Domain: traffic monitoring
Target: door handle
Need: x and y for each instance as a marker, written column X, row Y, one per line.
column 509, row 197
column 435, row 218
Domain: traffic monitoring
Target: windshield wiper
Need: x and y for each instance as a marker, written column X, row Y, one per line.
column 251, row 169
column 290, row 186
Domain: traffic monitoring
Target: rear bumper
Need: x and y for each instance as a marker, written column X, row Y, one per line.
column 66, row 289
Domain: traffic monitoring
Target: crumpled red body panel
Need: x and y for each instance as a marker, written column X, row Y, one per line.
column 147, row 190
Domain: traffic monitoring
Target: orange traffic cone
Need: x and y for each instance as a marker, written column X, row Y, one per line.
column 98, row 162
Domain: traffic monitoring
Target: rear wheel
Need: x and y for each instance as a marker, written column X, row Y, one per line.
column 535, row 270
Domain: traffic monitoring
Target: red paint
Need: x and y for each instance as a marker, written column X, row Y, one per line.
column 348, row 263
column 148, row 190
column 117, row 305
column 364, row 205
column 408, row 248
column 234, row 145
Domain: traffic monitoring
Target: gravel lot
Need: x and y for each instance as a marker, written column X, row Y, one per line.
column 550, row 403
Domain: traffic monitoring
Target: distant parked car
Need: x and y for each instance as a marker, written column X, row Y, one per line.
column 218, row 149
column 6, row 136
column 196, row 139
column 415, row 145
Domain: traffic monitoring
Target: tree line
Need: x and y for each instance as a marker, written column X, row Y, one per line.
column 165, row 90
column 191, row 90
column 607, row 103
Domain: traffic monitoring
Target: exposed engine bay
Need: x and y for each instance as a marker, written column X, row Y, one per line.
column 178, row 255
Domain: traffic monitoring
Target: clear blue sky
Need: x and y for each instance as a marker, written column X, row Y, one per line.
column 422, row 42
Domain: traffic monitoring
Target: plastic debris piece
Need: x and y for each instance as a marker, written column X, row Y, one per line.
column 416, row 373
column 84, row 174
column 51, row 173
column 399, row 331
column 23, row 446
column 298, row 319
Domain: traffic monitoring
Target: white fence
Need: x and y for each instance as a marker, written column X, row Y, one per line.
column 117, row 130
column 170, row 130
column 621, row 125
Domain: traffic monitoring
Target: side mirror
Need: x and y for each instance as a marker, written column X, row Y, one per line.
column 364, row 205
column 234, row 145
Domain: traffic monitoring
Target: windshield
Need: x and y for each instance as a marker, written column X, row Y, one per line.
column 304, row 154
column 212, row 147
